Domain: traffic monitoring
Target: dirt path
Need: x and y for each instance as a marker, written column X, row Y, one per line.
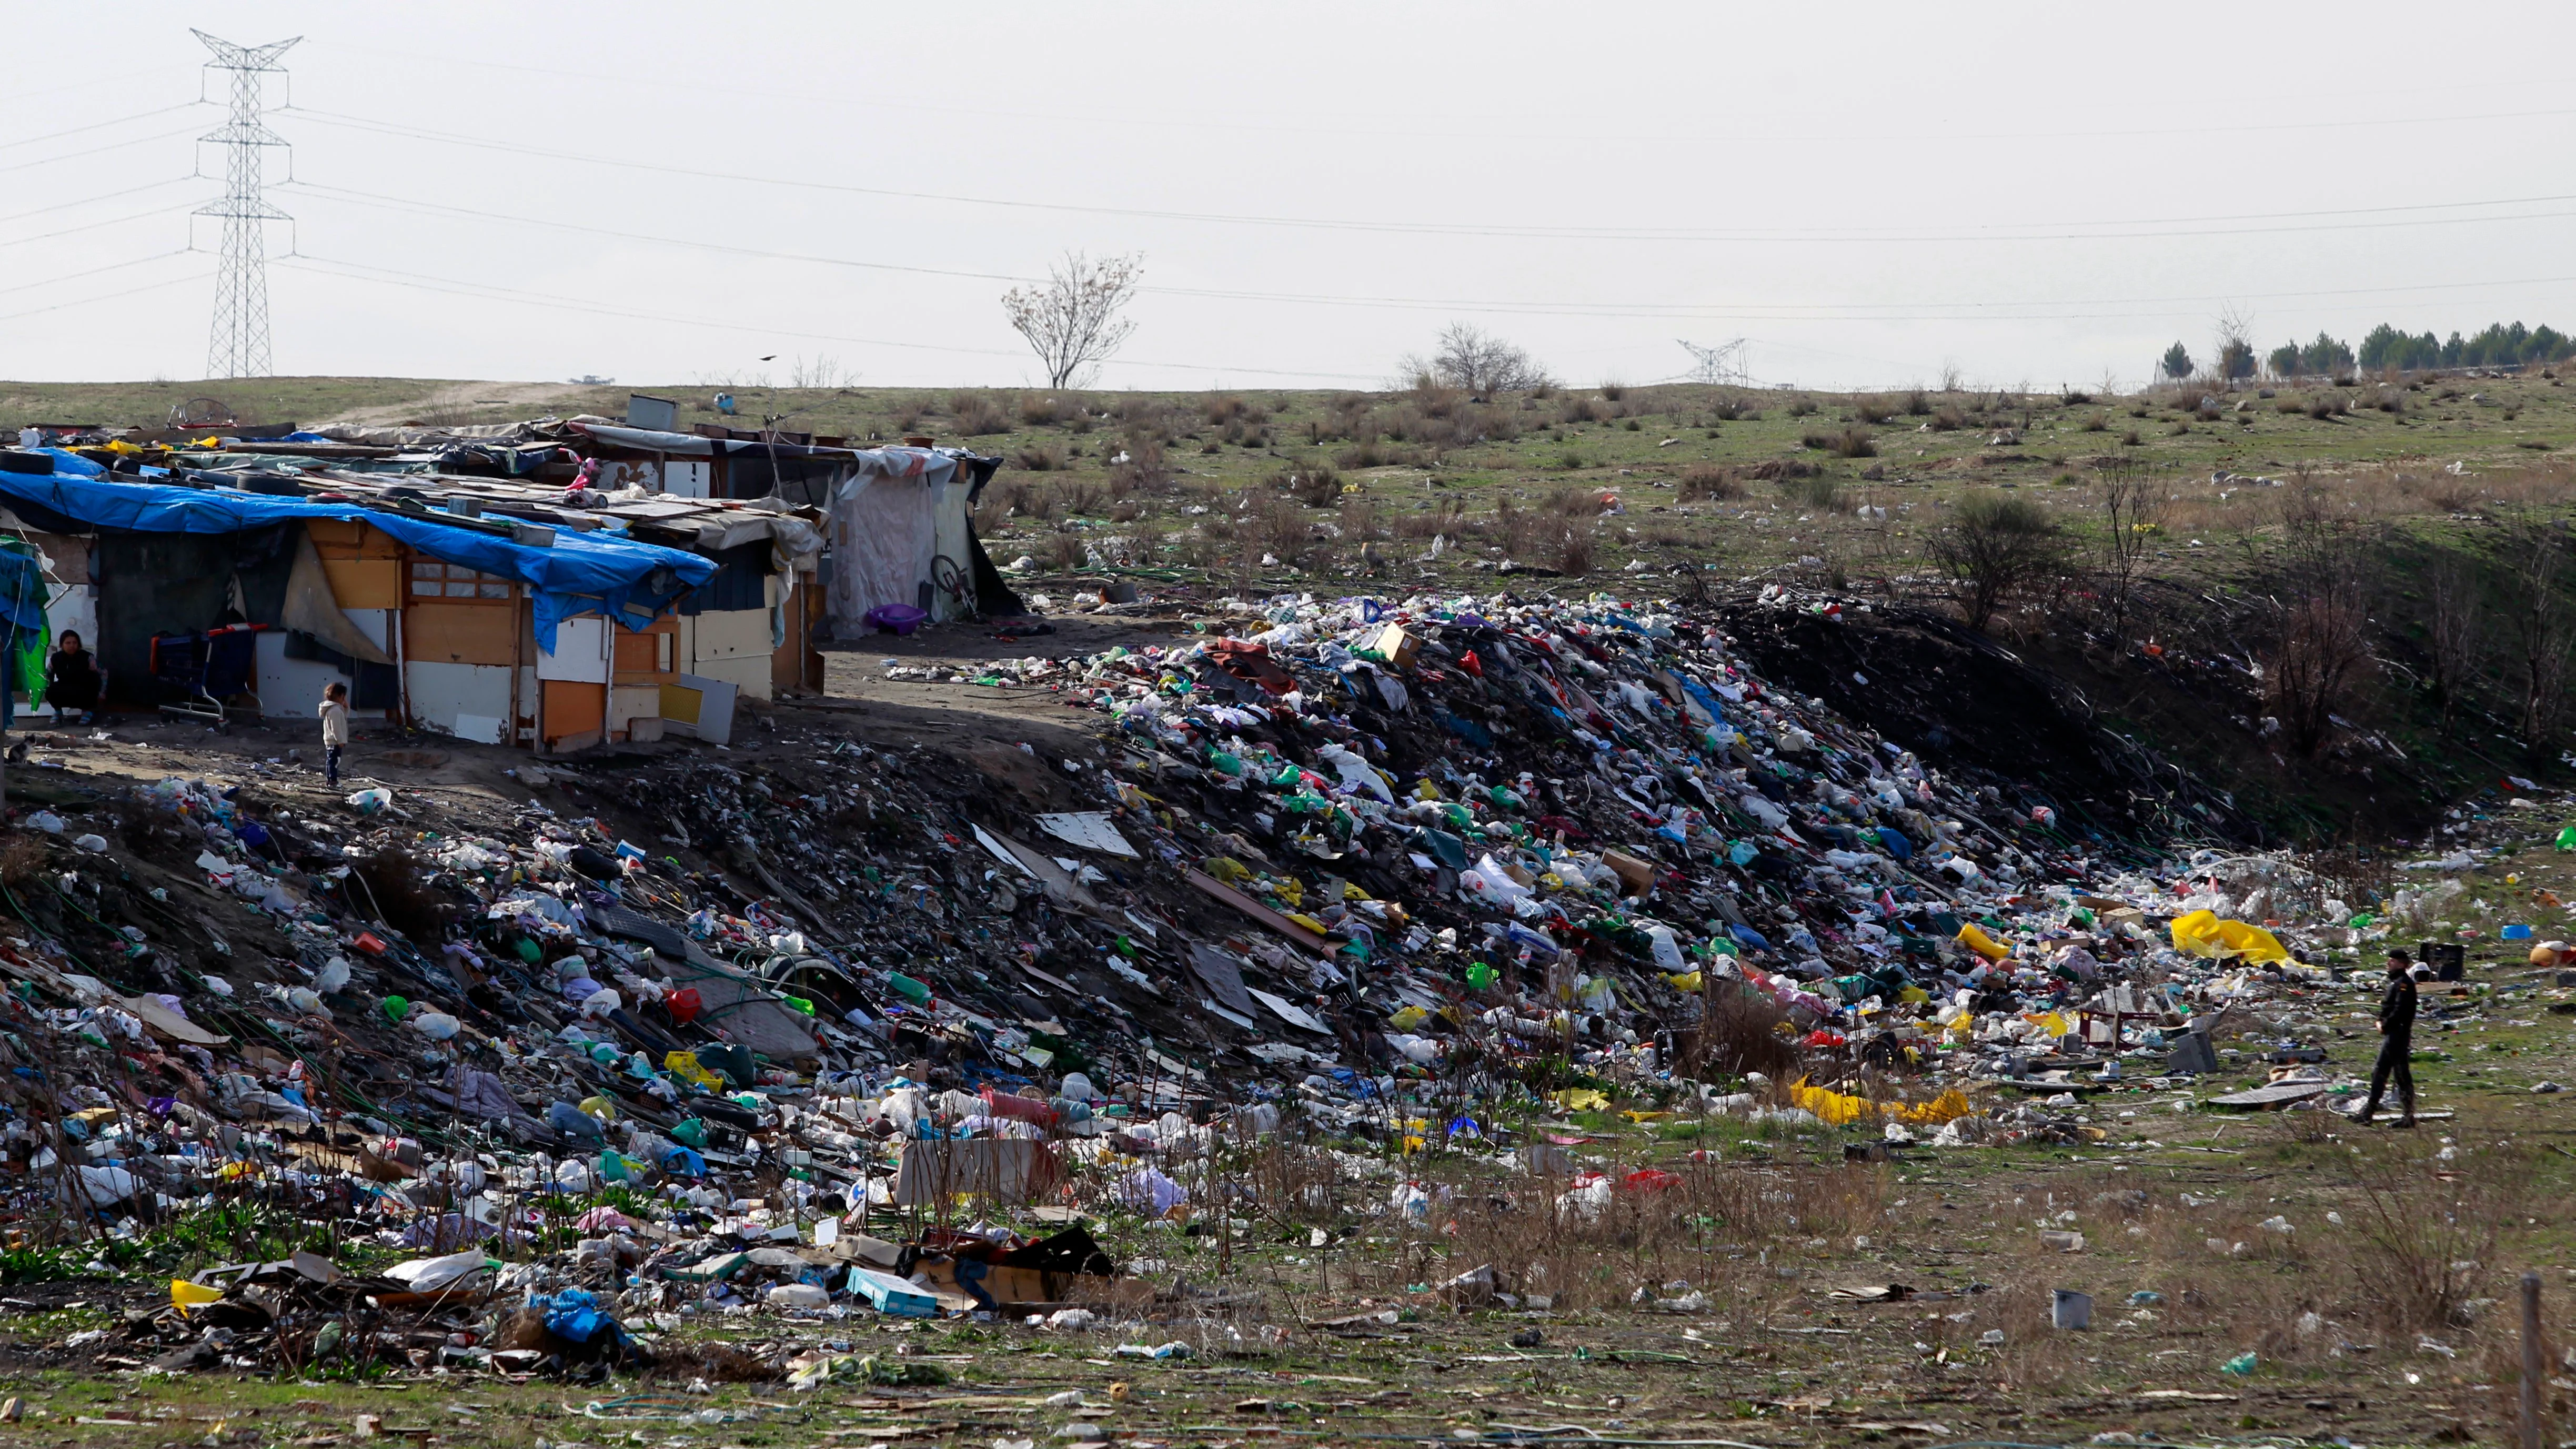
column 452, row 402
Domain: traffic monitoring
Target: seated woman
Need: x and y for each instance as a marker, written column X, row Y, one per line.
column 73, row 679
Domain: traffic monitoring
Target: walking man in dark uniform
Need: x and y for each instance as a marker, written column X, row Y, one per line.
column 2396, row 1040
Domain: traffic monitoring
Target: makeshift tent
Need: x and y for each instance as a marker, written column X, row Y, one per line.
column 900, row 535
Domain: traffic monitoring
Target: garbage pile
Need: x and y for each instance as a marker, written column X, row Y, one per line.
column 711, row 1035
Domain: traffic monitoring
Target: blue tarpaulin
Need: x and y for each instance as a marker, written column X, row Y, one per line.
column 599, row 572
column 67, row 461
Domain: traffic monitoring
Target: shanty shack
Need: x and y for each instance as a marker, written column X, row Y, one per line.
column 219, row 598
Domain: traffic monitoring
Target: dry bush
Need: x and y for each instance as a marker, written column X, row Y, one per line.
column 1000, row 499
column 1144, row 469
column 1873, row 410
column 1948, row 419
column 1851, row 442
column 1373, row 453
column 2423, row 1234
column 2288, row 405
column 1570, row 501
column 1045, row 458
column 2323, row 405
column 1434, row 520
column 1215, row 542
column 1574, row 549
column 1917, row 404
column 1226, row 407
column 1064, row 550
column 22, row 859
column 1044, row 410
column 1811, row 490
column 908, row 415
column 1317, row 485
column 1708, row 481
column 976, row 414
column 1733, row 409
column 1579, row 410
column 1703, row 1230
column 1361, row 521
column 1281, row 529
column 2097, row 421
column 1740, row 1032
column 1995, row 547
column 1068, row 497
column 1126, row 510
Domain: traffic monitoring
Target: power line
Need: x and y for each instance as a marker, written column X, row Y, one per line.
column 94, row 225
column 2015, row 310
column 93, row 200
column 2065, row 231
column 109, row 297
column 94, row 271
column 440, row 208
column 238, row 344
column 626, row 83
column 382, row 276
column 95, row 150
column 98, row 125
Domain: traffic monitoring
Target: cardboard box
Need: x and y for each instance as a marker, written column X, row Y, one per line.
column 1394, row 646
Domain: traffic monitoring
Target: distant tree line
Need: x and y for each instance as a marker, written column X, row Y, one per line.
column 2499, row 345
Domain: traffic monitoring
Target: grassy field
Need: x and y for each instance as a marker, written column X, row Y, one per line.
column 2270, row 1275
column 1736, row 479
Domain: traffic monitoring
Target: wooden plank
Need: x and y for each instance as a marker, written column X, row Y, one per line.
column 459, row 633
column 1259, row 912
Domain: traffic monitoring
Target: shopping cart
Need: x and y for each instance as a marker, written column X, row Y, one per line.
column 196, row 673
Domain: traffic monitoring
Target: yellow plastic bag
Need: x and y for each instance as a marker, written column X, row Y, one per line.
column 1409, row 1019
column 600, row 1107
column 1913, row 995
column 1579, row 1099
column 2203, row 934
column 1981, row 943
column 1684, row 981
column 1841, row 1108
column 1227, row 869
column 185, row 1295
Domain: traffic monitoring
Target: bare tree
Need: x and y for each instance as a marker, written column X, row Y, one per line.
column 2542, row 628
column 1474, row 360
column 2320, row 648
column 2317, row 656
column 824, row 371
column 1072, row 322
column 2454, row 630
column 2235, row 330
column 2133, row 509
column 1995, row 546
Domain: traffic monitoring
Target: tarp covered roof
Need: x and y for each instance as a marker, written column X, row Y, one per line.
column 579, row 573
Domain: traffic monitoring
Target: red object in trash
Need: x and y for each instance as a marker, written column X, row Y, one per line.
column 1470, row 663
column 684, row 1004
column 1024, row 1109
column 1650, row 1179
column 1824, row 1038
column 368, row 942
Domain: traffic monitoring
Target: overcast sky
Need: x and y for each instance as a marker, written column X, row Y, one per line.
column 661, row 193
